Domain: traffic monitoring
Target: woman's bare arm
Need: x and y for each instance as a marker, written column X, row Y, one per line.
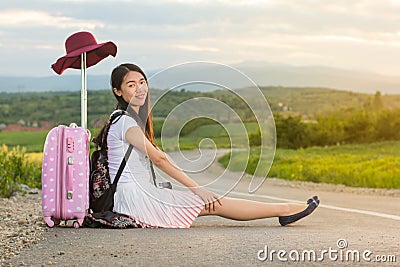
column 134, row 135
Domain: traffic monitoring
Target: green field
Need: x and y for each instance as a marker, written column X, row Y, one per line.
column 371, row 165
column 32, row 141
column 222, row 137
column 374, row 165
column 318, row 101
column 349, row 118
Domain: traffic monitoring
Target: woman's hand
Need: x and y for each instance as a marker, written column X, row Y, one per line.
column 210, row 199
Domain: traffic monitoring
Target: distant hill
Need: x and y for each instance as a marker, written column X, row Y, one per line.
column 52, row 83
column 263, row 74
column 320, row 76
column 312, row 101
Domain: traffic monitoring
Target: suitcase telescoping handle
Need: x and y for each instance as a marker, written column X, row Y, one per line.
column 83, row 91
column 70, row 175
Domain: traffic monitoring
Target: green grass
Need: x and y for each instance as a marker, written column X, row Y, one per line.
column 16, row 168
column 368, row 165
column 32, row 141
column 374, row 165
column 215, row 132
column 318, row 101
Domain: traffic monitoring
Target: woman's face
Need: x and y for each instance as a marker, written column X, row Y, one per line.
column 133, row 89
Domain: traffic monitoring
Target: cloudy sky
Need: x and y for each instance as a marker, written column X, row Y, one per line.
column 348, row 34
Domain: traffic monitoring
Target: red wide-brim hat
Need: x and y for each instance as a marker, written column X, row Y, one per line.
column 81, row 42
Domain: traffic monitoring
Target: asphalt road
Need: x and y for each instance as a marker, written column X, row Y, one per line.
column 347, row 229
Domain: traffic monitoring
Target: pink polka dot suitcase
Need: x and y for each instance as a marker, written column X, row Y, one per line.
column 65, row 175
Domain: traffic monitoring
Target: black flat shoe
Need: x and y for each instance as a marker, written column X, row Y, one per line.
column 312, row 205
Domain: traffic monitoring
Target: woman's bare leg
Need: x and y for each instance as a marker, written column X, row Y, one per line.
column 243, row 209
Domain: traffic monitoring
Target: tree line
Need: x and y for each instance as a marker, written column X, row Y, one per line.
column 64, row 107
column 350, row 126
column 369, row 122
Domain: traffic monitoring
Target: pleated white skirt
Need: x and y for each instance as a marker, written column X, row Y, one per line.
column 153, row 207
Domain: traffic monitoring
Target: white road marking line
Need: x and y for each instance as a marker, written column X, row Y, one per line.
column 372, row 213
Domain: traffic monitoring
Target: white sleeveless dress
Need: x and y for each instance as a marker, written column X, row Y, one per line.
column 136, row 194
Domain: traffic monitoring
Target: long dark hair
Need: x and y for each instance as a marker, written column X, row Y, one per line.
column 144, row 118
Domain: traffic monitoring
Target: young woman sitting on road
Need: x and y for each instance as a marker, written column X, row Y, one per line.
column 150, row 206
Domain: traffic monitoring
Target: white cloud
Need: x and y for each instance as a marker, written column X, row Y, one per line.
column 34, row 18
column 195, row 48
column 351, row 39
column 223, row 2
column 46, row 47
column 163, row 32
column 335, row 38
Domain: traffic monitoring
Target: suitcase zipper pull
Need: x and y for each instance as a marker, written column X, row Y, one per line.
column 70, row 144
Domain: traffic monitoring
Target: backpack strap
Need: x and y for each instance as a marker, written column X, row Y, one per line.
column 122, row 166
column 160, row 185
column 153, row 173
column 118, row 115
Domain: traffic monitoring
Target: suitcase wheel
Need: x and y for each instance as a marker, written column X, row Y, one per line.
column 76, row 224
column 49, row 221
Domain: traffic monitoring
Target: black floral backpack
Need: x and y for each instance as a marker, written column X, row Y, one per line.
column 101, row 190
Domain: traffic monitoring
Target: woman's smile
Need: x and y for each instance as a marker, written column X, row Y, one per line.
column 141, row 96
